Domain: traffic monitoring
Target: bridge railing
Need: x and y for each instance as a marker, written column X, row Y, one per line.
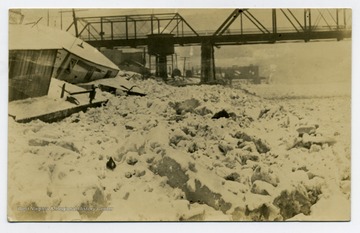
column 122, row 36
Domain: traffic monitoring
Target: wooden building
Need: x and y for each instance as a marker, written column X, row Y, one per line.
column 36, row 54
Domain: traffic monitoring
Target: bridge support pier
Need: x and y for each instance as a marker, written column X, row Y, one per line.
column 207, row 62
column 161, row 45
column 161, row 66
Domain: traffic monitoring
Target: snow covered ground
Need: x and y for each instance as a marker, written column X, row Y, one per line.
column 286, row 157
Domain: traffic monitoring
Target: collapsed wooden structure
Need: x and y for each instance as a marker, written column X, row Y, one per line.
column 38, row 59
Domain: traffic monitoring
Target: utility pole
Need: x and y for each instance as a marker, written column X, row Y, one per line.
column 176, row 63
column 75, row 23
column 61, row 27
column 184, row 65
column 48, row 18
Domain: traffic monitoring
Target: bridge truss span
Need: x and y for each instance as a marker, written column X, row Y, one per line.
column 161, row 32
column 273, row 25
column 242, row 26
column 132, row 27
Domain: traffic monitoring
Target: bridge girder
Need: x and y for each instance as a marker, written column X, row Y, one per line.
column 305, row 29
column 131, row 26
column 230, row 39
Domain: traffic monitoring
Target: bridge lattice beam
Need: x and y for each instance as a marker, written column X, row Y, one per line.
column 131, row 26
column 289, row 16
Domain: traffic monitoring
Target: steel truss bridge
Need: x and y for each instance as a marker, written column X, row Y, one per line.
column 242, row 26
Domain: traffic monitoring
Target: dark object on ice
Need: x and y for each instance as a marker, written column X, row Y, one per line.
column 220, row 114
column 131, row 161
column 92, row 94
column 130, row 92
column 62, row 91
column 263, row 112
column 111, row 164
column 128, row 175
column 232, row 177
column 176, row 72
column 72, row 100
column 129, row 127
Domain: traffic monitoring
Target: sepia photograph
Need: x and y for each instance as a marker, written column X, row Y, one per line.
column 179, row 114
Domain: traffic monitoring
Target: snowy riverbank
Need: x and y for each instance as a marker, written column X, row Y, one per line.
column 272, row 159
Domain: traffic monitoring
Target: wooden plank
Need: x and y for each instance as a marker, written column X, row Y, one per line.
column 60, row 115
column 52, row 108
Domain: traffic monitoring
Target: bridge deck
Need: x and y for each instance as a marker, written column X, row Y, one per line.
column 254, row 38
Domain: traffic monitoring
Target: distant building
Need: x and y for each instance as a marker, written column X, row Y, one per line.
column 119, row 56
column 128, row 59
column 251, row 73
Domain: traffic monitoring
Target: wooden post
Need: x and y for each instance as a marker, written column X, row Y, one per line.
column 162, row 66
column 126, row 27
column 75, row 23
column 112, row 30
column 62, row 91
